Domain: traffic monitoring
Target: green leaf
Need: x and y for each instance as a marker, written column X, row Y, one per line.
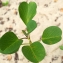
column 61, row 47
column 51, row 35
column 9, row 43
column 35, row 52
column 27, row 11
column 31, row 26
column 5, row 3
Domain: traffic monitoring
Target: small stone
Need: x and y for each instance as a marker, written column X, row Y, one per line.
column 1, row 18
column 10, row 28
column 61, row 9
column 6, row 29
column 61, row 61
column 0, row 3
column 14, row 30
column 0, row 31
column 55, row 0
column 62, row 57
column 58, row 24
column 15, row 12
column 46, row 5
column 54, row 58
column 56, row 19
column 2, row 22
column 8, row 19
column 9, row 57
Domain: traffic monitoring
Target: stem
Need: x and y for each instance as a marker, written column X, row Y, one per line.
column 25, row 33
column 25, row 44
column 24, row 38
column 29, row 40
column 27, row 36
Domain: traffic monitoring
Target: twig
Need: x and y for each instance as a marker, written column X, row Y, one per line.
column 16, row 57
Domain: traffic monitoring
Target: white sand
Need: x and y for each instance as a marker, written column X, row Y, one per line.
column 45, row 16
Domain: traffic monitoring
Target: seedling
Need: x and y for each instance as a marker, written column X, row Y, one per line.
column 4, row 3
column 33, row 51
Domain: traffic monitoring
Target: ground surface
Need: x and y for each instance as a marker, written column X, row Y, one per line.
column 49, row 13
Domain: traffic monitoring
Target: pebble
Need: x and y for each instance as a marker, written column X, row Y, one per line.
column 1, row 18
column 55, row 0
column 61, row 9
column 0, row 3
column 9, row 57
column 15, row 12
